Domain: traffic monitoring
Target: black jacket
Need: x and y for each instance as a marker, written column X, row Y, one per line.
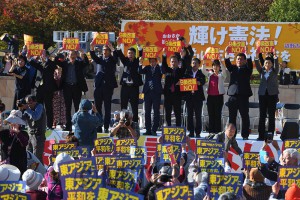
column 199, row 94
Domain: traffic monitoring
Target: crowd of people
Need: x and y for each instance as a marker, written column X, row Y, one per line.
column 46, row 88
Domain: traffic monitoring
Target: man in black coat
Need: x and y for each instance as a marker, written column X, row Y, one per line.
column 194, row 99
column 46, row 86
column 73, row 82
column 239, row 90
column 105, row 81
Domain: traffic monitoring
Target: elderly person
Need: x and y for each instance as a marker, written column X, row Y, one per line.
column 126, row 128
column 14, row 142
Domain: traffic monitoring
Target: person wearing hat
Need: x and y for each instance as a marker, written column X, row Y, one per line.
column 105, row 81
column 131, row 80
column 255, row 187
column 85, row 123
column 33, row 180
column 14, row 142
column 9, row 173
column 55, row 191
column 115, row 119
column 46, row 85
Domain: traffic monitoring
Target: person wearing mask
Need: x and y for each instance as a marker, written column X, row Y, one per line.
column 215, row 94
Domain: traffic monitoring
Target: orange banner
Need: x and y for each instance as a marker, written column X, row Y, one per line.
column 188, row 84
column 265, row 46
column 100, row 39
column 202, row 35
column 35, row 49
column 150, row 51
column 71, row 43
column 126, row 37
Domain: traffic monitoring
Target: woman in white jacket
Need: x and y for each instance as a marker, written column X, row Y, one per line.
column 215, row 91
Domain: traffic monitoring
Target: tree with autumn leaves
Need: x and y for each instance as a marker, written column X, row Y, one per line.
column 40, row 18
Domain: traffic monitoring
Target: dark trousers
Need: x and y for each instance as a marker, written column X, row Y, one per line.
column 267, row 103
column 173, row 100
column 130, row 94
column 72, row 93
column 45, row 97
column 239, row 103
column 152, row 100
column 100, row 96
column 214, row 109
column 194, row 105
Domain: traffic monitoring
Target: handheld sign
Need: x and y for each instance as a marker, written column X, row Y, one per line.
column 78, row 168
column 100, row 39
column 210, row 165
column 292, row 144
column 237, row 47
column 265, row 46
column 8, row 195
column 163, row 154
column 173, row 135
column 123, row 145
column 139, row 152
column 287, row 176
column 104, row 145
column 183, row 192
column 173, row 45
column 62, row 146
column 250, row 159
column 227, row 182
column 122, row 178
column 12, row 186
column 126, row 37
column 113, row 193
column 188, row 84
column 210, row 149
column 212, row 53
column 71, row 44
column 35, row 49
column 28, row 39
column 150, row 51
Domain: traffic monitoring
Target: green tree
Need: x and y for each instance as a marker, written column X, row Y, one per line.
column 285, row 11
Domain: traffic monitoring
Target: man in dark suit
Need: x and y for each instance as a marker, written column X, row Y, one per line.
column 152, row 93
column 239, row 90
column 73, row 83
column 46, row 86
column 194, row 99
column 172, row 92
column 130, row 80
column 105, row 81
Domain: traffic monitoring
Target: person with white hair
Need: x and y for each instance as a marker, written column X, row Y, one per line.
column 33, row 180
column 126, row 128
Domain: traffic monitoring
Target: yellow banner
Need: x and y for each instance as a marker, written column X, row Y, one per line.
column 28, row 39
column 202, row 35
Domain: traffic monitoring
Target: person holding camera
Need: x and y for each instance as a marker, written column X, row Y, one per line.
column 125, row 128
column 34, row 115
column 12, row 42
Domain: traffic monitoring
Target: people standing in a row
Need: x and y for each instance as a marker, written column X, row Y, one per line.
column 268, row 93
column 131, row 80
column 239, row 89
column 215, row 94
column 105, row 81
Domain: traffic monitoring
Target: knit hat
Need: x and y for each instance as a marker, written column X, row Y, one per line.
column 85, row 105
column 9, row 173
column 256, row 176
column 33, row 179
column 61, row 158
column 15, row 117
column 293, row 193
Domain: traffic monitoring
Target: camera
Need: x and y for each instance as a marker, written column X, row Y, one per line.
column 21, row 102
column 125, row 120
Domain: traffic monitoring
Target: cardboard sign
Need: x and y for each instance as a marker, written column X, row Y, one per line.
column 107, row 160
column 287, row 176
column 163, row 154
column 81, row 194
column 12, row 186
column 81, row 151
column 113, row 193
column 35, row 49
column 173, row 45
column 212, row 53
column 123, row 145
column 100, row 39
column 63, row 146
column 183, row 192
column 250, row 159
column 221, row 183
column 8, row 195
column 28, row 39
column 78, row 168
column 209, row 149
column 237, row 47
column 188, row 84
column 150, row 51
column 104, row 145
column 70, row 44
column 127, row 37
column 292, row 144
column 139, row 152
column 124, row 179
column 210, row 165
column 174, row 135
column 265, row 46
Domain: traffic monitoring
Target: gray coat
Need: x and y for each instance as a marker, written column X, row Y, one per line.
column 221, row 137
column 270, row 84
